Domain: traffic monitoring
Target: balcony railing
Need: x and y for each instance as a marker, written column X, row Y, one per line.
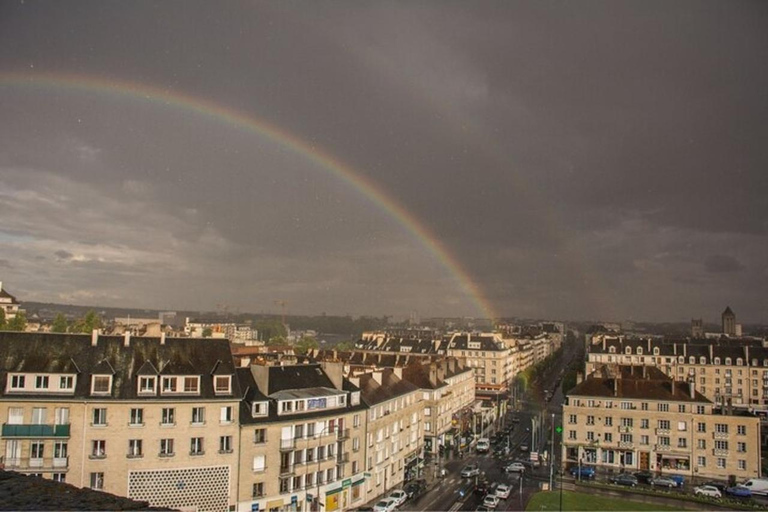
column 35, row 464
column 342, row 458
column 662, row 431
column 286, row 470
column 663, row 447
column 287, row 444
column 719, row 453
column 342, row 433
column 626, row 430
column 720, row 435
column 36, row 431
column 626, row 444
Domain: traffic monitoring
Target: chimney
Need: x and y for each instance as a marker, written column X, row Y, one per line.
column 685, row 349
column 398, row 370
column 711, row 353
column 603, row 343
column 579, row 378
column 1, row 286
column 335, row 371
column 649, row 345
column 616, row 386
column 730, row 406
column 674, row 348
column 645, row 371
column 260, row 374
column 692, row 387
column 354, row 380
column 433, row 374
column 127, row 338
column 162, row 338
column 94, row 337
column 376, row 375
column 673, row 387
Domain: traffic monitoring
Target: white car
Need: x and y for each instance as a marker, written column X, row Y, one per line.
column 385, row 505
column 470, row 471
column 491, row 501
column 708, row 490
column 502, row 491
column 483, row 445
column 515, row 467
column 399, row 496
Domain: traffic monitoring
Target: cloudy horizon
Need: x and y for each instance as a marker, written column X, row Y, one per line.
column 594, row 160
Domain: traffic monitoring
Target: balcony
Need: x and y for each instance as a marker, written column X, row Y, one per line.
column 626, row 430
column 663, row 447
column 662, row 432
column 35, row 464
column 342, row 458
column 720, row 435
column 287, row 445
column 286, row 470
column 342, row 434
column 719, row 453
column 626, row 444
column 36, row 431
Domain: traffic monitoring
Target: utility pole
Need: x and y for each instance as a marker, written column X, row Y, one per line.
column 552, row 453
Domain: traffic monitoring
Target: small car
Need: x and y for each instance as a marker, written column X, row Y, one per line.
column 481, row 488
column 738, row 491
column 707, row 490
column 491, row 501
column 399, row 496
column 385, row 505
column 523, row 447
column 678, row 479
column 625, row 479
column 414, row 489
column 663, row 481
column 514, row 467
column 717, row 485
column 583, row 472
column 644, row 477
column 483, row 445
column 503, row 491
column 470, row 470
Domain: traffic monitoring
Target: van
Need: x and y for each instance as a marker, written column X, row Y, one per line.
column 483, row 445
column 757, row 486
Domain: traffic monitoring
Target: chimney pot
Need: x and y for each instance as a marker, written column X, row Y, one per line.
column 162, row 338
column 94, row 337
column 127, row 338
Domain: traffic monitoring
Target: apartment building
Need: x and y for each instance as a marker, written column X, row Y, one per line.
column 302, row 432
column 152, row 419
column 637, row 418
column 8, row 303
column 488, row 356
column 726, row 370
column 395, row 438
column 448, row 389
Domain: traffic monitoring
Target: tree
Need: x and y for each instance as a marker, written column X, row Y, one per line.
column 88, row 323
column 207, row 332
column 345, row 345
column 17, row 323
column 59, row 324
column 276, row 341
column 305, row 344
column 2, row 319
column 270, row 328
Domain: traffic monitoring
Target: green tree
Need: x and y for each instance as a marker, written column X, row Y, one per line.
column 59, row 324
column 276, row 341
column 305, row 344
column 17, row 323
column 88, row 323
column 2, row 319
column 271, row 328
column 207, row 332
column 345, row 345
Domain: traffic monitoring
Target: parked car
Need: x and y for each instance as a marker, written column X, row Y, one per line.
column 515, row 467
column 414, row 489
column 523, row 447
column 583, row 472
column 385, row 505
column 644, row 477
column 399, row 496
column 503, row 491
column 738, row 491
column 625, row 479
column 663, row 481
column 707, row 490
column 470, row 470
column 491, row 501
column 678, row 479
column 717, row 485
column 481, row 488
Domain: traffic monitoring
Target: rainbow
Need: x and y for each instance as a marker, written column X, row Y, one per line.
column 222, row 114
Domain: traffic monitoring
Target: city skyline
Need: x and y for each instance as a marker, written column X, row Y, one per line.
column 601, row 160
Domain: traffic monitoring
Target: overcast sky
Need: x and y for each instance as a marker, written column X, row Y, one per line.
column 579, row 160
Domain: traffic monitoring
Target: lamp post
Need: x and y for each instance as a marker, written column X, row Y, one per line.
column 316, row 501
column 552, row 452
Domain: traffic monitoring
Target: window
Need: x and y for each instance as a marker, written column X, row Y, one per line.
column 136, row 417
column 168, row 416
column 571, row 434
column 720, row 463
column 36, row 449
column 644, row 406
column 741, row 447
column 196, row 446
column 590, row 436
column 258, row 490
column 572, row 419
column 742, row 465
column 258, row 409
column 135, row 448
column 39, row 415
column 225, row 444
column 700, row 409
column 66, row 382
column 663, row 407
column 701, row 427
column 682, row 442
column 627, row 422
column 609, row 421
column 644, row 422
column 701, row 444
column 701, row 461
column 285, row 485
column 721, row 428
column 61, row 416
column 100, row 417
column 191, row 384
column 329, row 474
column 41, row 382
column 720, row 444
column 146, row 385
column 741, row 430
column 664, row 440
column 97, row 481
column 169, row 384
column 198, row 415
column 59, row 477
column 287, row 406
column 681, row 408
column 608, row 437
column 663, row 424
column 18, row 381
column 260, row 435
column 166, row 447
column 226, row 414
column 98, row 449
column 223, row 384
column 626, row 438
column 644, row 440
column 356, row 420
column 590, row 420
column 101, row 384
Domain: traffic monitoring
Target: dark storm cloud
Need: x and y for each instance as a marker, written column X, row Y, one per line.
column 63, row 255
column 578, row 159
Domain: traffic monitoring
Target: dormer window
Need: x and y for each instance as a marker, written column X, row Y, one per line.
column 702, row 360
column 728, row 361
column 739, row 362
column 681, row 360
column 691, row 360
column 655, row 351
column 342, row 400
column 355, row 400
column 628, row 350
column 101, row 384
column 169, row 384
column 191, row 384
column 66, row 382
column 41, row 382
column 639, row 351
column 717, row 360
column 147, row 385
column 258, row 409
column 611, row 350
column 18, row 382
column 223, row 384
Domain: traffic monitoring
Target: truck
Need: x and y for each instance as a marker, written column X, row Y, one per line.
column 757, row 486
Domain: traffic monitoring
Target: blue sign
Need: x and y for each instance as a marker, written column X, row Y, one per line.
column 309, row 498
column 254, row 507
column 294, row 500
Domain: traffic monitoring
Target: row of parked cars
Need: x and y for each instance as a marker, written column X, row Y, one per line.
column 709, row 489
column 397, row 497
